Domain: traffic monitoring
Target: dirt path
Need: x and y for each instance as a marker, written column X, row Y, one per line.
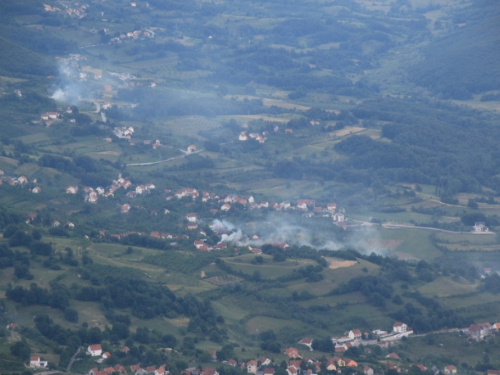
column 73, row 359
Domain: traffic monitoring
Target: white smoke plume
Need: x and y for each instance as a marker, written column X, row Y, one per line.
column 278, row 229
column 68, row 88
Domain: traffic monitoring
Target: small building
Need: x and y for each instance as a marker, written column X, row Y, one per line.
column 450, row 369
column 399, row 327
column 252, row 367
column 480, row 226
column 354, row 334
column 35, row 362
column 94, row 350
column 292, row 353
column 192, row 218
column 307, row 342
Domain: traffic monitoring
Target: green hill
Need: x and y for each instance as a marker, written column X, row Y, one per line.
column 465, row 61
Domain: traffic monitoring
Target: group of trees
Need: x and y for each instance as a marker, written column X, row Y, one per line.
column 88, row 170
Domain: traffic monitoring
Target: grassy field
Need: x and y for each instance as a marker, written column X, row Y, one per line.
column 268, row 270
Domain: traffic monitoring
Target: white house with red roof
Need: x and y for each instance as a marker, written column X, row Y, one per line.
column 94, row 350
column 367, row 370
column 161, row 370
column 307, row 342
column 399, row 327
column 305, row 204
column 36, row 362
column 331, row 207
column 125, row 208
column 450, row 369
column 252, row 367
column 292, row 353
column 354, row 334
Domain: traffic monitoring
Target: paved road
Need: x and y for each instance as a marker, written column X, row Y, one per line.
column 164, row 161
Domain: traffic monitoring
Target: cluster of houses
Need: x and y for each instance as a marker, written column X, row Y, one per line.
column 480, row 331
column 256, row 136
column 296, row 362
column 91, row 194
column 384, row 339
column 306, row 206
column 48, row 118
column 120, row 132
column 132, row 35
column 192, row 219
column 245, row 136
column 261, row 366
column 78, row 12
column 20, row 181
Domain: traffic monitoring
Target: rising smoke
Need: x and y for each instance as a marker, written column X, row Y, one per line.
column 276, row 229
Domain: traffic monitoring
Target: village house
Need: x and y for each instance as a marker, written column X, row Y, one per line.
column 354, row 334
column 331, row 365
column 421, row 367
column 480, row 226
column 292, row 353
column 36, row 190
column 161, row 370
column 367, row 370
column 331, row 207
column 399, row 327
column 225, row 207
column 12, row 326
column 125, row 208
column 192, row 218
column 22, row 180
column 307, row 342
column 252, row 367
column 450, row 369
column 379, row 332
column 120, row 369
column 264, row 361
column 36, row 362
column 479, row 331
column 71, row 189
column 338, row 218
column 30, row 217
column 199, row 244
column 269, row 371
column 94, row 350
column 231, row 362
column 350, row 362
column 392, row 356
column 338, row 360
column 305, row 204
column 209, row 371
